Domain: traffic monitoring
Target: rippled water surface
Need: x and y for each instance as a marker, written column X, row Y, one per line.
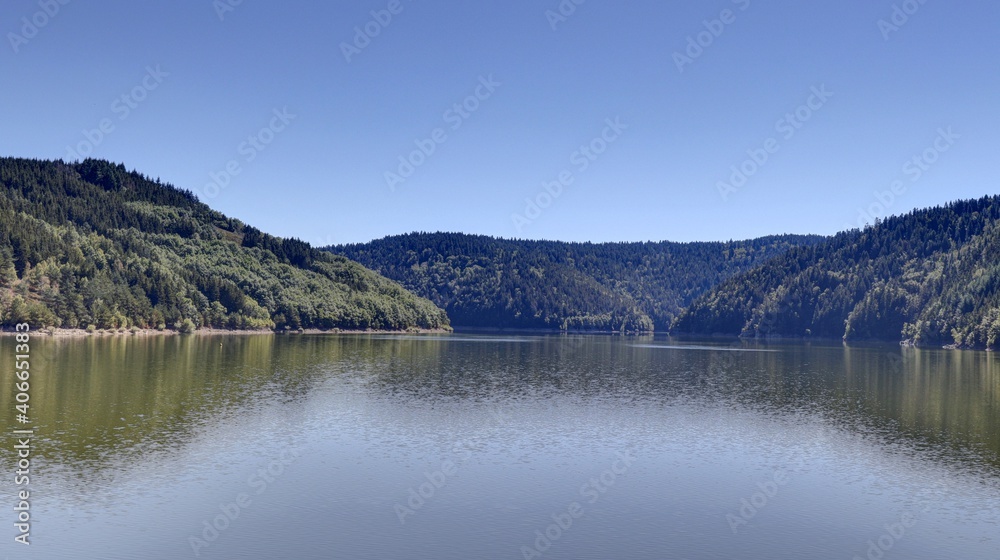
column 480, row 447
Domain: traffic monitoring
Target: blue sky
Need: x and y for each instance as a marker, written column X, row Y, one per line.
column 602, row 121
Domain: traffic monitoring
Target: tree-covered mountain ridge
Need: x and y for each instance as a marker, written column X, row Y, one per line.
column 91, row 245
column 930, row 277
column 489, row 282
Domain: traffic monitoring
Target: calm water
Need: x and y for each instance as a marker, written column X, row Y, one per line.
column 478, row 447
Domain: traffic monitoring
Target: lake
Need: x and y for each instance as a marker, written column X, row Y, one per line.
column 505, row 447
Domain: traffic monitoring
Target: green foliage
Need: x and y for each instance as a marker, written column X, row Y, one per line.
column 90, row 243
column 928, row 277
column 489, row 282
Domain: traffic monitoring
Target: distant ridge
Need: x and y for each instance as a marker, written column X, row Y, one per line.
column 491, row 282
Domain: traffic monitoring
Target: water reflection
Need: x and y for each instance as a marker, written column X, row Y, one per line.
column 160, row 430
column 103, row 398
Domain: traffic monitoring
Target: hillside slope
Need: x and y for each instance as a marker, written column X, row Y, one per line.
column 91, row 244
column 930, row 277
column 483, row 281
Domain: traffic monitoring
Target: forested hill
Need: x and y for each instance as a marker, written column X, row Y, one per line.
column 490, row 282
column 90, row 243
column 930, row 277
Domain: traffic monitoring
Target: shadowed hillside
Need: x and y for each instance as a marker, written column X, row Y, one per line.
column 929, row 277
column 491, row 282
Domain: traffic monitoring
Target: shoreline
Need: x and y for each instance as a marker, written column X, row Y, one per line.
column 544, row 330
column 83, row 333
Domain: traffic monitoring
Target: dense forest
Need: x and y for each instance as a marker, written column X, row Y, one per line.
column 490, row 282
column 91, row 245
column 930, row 277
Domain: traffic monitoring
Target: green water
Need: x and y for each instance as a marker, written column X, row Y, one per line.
column 472, row 446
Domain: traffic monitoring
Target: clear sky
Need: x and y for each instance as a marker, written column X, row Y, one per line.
column 289, row 115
